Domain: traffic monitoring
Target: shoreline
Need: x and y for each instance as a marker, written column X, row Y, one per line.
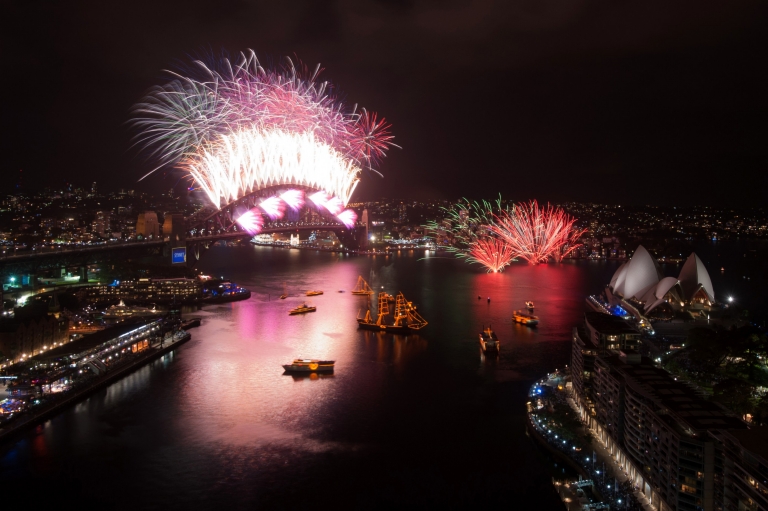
column 34, row 419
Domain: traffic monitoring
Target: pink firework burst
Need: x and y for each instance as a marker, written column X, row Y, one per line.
column 319, row 199
column 537, row 234
column 251, row 221
column 273, row 207
column 348, row 217
column 334, row 205
column 293, row 198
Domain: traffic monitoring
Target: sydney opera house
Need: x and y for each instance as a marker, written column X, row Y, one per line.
column 639, row 286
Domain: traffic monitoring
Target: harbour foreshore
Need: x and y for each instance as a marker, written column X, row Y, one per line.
column 37, row 416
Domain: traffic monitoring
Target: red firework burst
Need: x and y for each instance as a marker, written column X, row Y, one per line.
column 493, row 253
column 537, row 234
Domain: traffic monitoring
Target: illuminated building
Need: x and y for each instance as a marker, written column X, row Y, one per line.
column 640, row 285
column 158, row 290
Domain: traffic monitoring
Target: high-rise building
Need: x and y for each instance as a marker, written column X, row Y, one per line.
column 101, row 225
column 683, row 451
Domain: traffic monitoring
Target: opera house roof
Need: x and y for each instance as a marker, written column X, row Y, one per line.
column 641, row 279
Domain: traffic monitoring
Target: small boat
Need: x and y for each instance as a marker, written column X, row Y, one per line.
column 301, row 309
column 488, row 340
column 309, row 366
column 362, row 287
column 529, row 305
column 314, row 293
column 285, row 293
column 524, row 318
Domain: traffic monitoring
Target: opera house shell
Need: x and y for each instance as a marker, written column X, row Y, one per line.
column 639, row 281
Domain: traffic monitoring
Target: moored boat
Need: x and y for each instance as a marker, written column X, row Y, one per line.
column 314, row 293
column 488, row 340
column 301, row 309
column 525, row 318
column 309, row 366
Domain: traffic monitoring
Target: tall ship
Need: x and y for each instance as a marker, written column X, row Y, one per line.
column 367, row 322
column 362, row 287
column 406, row 319
column 488, row 340
column 525, row 318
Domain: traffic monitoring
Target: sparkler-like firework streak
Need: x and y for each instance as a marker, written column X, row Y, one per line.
column 237, row 128
column 536, row 234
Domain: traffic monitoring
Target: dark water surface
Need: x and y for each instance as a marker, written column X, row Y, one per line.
column 418, row 421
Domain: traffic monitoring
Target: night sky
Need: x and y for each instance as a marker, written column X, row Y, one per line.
column 625, row 102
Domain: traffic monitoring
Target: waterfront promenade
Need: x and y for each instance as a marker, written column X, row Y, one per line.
column 612, row 485
column 56, row 403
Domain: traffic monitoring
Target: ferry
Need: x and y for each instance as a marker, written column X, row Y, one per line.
column 301, row 309
column 488, row 340
column 309, row 366
column 524, row 318
column 529, row 305
column 314, row 293
column 121, row 311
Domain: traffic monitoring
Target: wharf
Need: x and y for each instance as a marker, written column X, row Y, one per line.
column 36, row 416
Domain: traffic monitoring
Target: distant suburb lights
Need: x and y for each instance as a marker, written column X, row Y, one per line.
column 237, row 128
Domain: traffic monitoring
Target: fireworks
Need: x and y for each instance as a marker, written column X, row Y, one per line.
column 491, row 252
column 348, row 217
column 537, row 234
column 237, row 127
column 492, row 235
column 251, row 221
column 466, row 232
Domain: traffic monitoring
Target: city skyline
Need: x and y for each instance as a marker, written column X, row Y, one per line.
column 629, row 103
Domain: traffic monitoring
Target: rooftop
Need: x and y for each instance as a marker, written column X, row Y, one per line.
column 607, row 324
column 674, row 399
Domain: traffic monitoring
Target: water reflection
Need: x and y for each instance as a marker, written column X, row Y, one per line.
column 219, row 419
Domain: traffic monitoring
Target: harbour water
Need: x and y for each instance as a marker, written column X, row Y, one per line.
column 418, row 421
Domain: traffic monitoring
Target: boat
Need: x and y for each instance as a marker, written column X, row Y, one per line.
column 285, row 293
column 488, row 340
column 362, row 287
column 529, row 305
column 121, row 311
column 406, row 317
column 302, row 309
column 301, row 365
column 314, row 293
column 367, row 322
column 525, row 318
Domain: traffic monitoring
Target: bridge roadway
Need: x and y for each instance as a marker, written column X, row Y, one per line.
column 40, row 258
